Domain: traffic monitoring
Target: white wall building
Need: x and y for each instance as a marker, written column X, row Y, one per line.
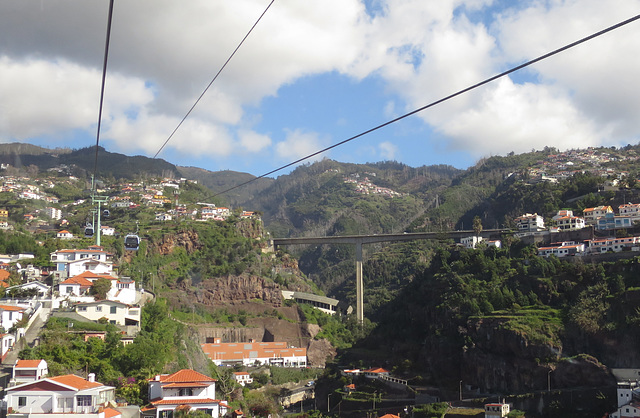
column 68, row 394
column 185, row 387
column 28, row 371
column 530, row 222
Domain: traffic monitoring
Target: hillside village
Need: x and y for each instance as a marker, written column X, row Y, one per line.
column 83, row 285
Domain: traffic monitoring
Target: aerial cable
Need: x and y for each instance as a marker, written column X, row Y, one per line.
column 214, row 79
column 104, row 76
column 444, row 99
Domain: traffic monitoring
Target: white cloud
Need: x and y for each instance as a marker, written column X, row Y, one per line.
column 253, row 141
column 388, row 150
column 163, row 54
column 298, row 144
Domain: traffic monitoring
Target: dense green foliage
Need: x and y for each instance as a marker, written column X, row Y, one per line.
column 125, row 367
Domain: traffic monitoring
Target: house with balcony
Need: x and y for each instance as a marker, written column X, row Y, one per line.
column 185, row 389
column 71, row 262
column 530, row 223
column 68, row 394
column 563, row 249
column 116, row 313
column 612, row 221
column 591, row 215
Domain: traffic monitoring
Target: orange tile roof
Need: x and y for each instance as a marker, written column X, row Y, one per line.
column 28, row 364
column 238, row 351
column 183, row 401
column 185, row 376
column 187, row 385
column 376, row 370
column 76, row 382
column 241, row 373
column 4, row 274
column 78, row 280
column 11, row 308
column 110, row 413
column 92, row 275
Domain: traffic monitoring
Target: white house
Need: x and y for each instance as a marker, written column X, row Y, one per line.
column 64, row 234
column 591, row 215
column 530, row 223
column 68, row 394
column 29, row 371
column 243, row 378
column 603, row 245
column 567, row 223
column 562, row 249
column 115, row 312
column 10, row 315
column 107, row 230
column 185, row 389
column 630, row 209
column 70, row 263
column 471, row 242
column 6, row 342
column 53, row 213
column 496, row 410
column 627, row 406
column 41, row 288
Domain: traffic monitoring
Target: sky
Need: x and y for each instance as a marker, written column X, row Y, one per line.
column 317, row 72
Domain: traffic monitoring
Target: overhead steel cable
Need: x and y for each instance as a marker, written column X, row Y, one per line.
column 444, row 99
column 214, row 79
column 104, row 77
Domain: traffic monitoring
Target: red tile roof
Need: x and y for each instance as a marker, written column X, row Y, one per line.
column 78, row 280
column 110, row 413
column 376, row 370
column 28, row 364
column 184, row 401
column 11, row 308
column 76, row 382
column 186, row 375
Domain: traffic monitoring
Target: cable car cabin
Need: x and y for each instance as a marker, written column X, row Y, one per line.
column 106, row 213
column 88, row 231
column 131, row 242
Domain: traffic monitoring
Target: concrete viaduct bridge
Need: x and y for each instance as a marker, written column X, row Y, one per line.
column 360, row 240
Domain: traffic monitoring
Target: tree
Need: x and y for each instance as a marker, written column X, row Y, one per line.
column 100, row 288
column 477, row 225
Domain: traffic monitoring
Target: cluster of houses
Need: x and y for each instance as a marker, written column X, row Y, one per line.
column 563, row 165
column 255, row 354
column 75, row 273
column 366, row 186
column 31, row 393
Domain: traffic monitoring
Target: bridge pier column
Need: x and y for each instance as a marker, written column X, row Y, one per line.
column 359, row 284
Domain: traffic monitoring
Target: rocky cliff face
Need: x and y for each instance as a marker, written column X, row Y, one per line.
column 231, row 289
column 503, row 359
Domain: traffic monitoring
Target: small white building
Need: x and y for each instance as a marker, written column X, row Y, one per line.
column 591, row 215
column 10, row 315
column 627, row 406
column 530, row 222
column 64, row 234
column 243, row 378
column 562, row 249
column 471, row 242
column 185, row 388
column 29, row 371
column 114, row 312
column 496, row 410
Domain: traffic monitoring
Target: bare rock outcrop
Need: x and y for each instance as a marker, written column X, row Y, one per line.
column 238, row 288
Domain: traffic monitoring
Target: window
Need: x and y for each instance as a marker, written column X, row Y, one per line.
column 98, row 308
column 84, row 400
column 185, row 392
column 82, row 308
column 114, row 309
column 69, row 289
column 22, row 400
